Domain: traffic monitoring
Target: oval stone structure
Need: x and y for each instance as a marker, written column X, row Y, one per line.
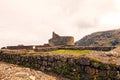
column 57, row 40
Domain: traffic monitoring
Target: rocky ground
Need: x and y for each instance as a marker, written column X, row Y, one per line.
column 105, row 57
column 14, row 72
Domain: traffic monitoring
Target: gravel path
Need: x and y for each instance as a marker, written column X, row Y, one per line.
column 14, row 72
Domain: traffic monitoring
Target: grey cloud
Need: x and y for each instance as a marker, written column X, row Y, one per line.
column 85, row 24
column 90, row 12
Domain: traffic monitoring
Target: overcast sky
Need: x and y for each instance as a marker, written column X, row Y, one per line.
column 33, row 21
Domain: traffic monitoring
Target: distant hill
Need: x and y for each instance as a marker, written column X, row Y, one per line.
column 103, row 38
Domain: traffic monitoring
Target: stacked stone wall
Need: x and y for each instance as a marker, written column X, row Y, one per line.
column 45, row 49
column 88, row 48
column 19, row 47
column 74, row 68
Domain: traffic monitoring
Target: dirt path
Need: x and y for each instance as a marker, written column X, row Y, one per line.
column 14, row 72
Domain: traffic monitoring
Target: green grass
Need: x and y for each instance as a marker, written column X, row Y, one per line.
column 72, row 51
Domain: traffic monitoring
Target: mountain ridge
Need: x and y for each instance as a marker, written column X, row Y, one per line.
column 101, row 38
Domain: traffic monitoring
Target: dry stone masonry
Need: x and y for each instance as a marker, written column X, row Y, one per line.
column 74, row 68
column 61, row 40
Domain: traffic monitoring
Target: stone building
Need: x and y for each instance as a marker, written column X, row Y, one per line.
column 57, row 40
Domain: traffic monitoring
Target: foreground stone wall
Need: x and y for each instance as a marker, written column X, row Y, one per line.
column 75, row 68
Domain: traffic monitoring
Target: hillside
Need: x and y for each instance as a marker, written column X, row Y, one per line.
column 103, row 38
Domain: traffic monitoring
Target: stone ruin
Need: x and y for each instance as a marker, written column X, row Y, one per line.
column 57, row 40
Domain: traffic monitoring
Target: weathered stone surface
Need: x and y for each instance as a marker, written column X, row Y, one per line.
column 63, row 59
column 95, row 65
column 22, row 74
column 73, row 68
column 61, row 40
column 14, row 72
column 32, row 77
column 90, row 70
column 85, row 61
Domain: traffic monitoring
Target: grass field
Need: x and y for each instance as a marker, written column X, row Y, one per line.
column 72, row 51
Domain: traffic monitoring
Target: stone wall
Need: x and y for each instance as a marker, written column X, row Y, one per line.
column 41, row 48
column 45, row 49
column 87, row 48
column 19, row 47
column 27, row 47
column 80, row 68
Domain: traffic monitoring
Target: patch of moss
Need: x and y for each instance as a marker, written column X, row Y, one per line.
column 95, row 60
